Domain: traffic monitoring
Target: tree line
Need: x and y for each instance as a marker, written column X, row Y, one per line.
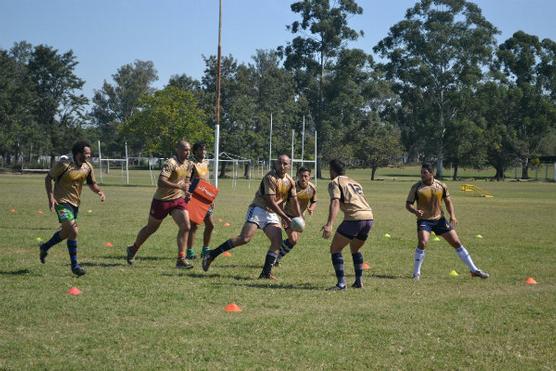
column 438, row 87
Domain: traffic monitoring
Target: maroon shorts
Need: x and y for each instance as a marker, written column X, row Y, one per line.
column 160, row 209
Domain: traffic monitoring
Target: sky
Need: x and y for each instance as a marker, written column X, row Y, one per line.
column 175, row 34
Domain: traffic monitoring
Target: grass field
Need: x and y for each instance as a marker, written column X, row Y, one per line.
column 153, row 316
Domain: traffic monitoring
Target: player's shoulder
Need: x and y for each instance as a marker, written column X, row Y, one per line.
column 417, row 185
column 89, row 165
column 313, row 186
column 441, row 184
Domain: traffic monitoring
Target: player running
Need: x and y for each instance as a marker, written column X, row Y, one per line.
column 171, row 197
column 307, row 199
column 264, row 213
column 68, row 177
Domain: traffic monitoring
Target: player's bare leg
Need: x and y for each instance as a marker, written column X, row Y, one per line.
column 247, row 232
column 144, row 233
column 181, row 218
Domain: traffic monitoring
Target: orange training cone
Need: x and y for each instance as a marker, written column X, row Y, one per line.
column 366, row 266
column 40, row 212
column 530, row 281
column 232, row 307
column 108, row 244
column 227, row 253
column 13, row 210
column 74, row 291
column 227, row 224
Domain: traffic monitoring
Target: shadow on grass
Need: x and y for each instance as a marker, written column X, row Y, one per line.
column 238, row 266
column 265, row 284
column 30, row 228
column 20, row 272
column 192, row 275
column 139, row 258
column 104, row 265
column 388, row 276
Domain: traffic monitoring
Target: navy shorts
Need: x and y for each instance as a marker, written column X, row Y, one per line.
column 355, row 229
column 439, row 227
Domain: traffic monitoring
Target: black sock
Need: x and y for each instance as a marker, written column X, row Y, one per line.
column 269, row 262
column 220, row 249
column 285, row 248
column 338, row 263
column 358, row 266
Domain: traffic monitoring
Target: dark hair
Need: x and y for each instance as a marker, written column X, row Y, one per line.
column 303, row 169
column 338, row 166
column 199, row 145
column 427, row 166
column 79, row 147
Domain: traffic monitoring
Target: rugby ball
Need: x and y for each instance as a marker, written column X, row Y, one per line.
column 298, row 224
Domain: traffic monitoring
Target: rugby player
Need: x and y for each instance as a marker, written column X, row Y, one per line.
column 429, row 194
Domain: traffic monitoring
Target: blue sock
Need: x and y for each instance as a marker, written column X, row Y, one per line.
column 52, row 241
column 72, row 249
column 220, row 249
column 358, row 265
column 338, row 263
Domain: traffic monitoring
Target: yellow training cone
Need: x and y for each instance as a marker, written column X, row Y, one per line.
column 387, row 235
column 453, row 273
column 436, row 238
column 479, row 236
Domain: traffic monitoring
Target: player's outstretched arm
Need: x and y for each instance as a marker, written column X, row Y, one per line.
column 451, row 210
column 409, row 207
column 48, row 187
column 96, row 189
column 333, row 210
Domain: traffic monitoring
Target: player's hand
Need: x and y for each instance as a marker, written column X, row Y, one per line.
column 419, row 213
column 326, row 231
column 52, row 203
column 287, row 222
column 453, row 222
column 310, row 211
column 187, row 196
column 102, row 196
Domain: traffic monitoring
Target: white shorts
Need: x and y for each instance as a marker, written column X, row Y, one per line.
column 261, row 217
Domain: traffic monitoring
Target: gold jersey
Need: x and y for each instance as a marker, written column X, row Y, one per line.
column 68, row 180
column 272, row 184
column 429, row 199
column 201, row 169
column 175, row 172
column 353, row 203
column 305, row 197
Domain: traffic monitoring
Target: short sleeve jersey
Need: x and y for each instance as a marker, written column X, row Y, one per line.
column 353, row 203
column 175, row 172
column 429, row 199
column 202, row 169
column 305, row 197
column 272, row 184
column 69, row 179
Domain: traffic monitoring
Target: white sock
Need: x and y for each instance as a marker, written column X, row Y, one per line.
column 419, row 257
column 466, row 258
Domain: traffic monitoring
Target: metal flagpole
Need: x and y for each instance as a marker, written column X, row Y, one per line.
column 270, row 144
column 100, row 162
column 303, row 143
column 126, row 166
column 217, row 109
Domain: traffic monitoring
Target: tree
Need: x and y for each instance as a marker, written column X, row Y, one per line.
column 115, row 103
column 17, row 100
column 438, row 50
column 378, row 145
column 163, row 118
column 528, row 67
column 59, row 110
column 311, row 57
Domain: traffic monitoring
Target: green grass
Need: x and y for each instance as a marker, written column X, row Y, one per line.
column 152, row 316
